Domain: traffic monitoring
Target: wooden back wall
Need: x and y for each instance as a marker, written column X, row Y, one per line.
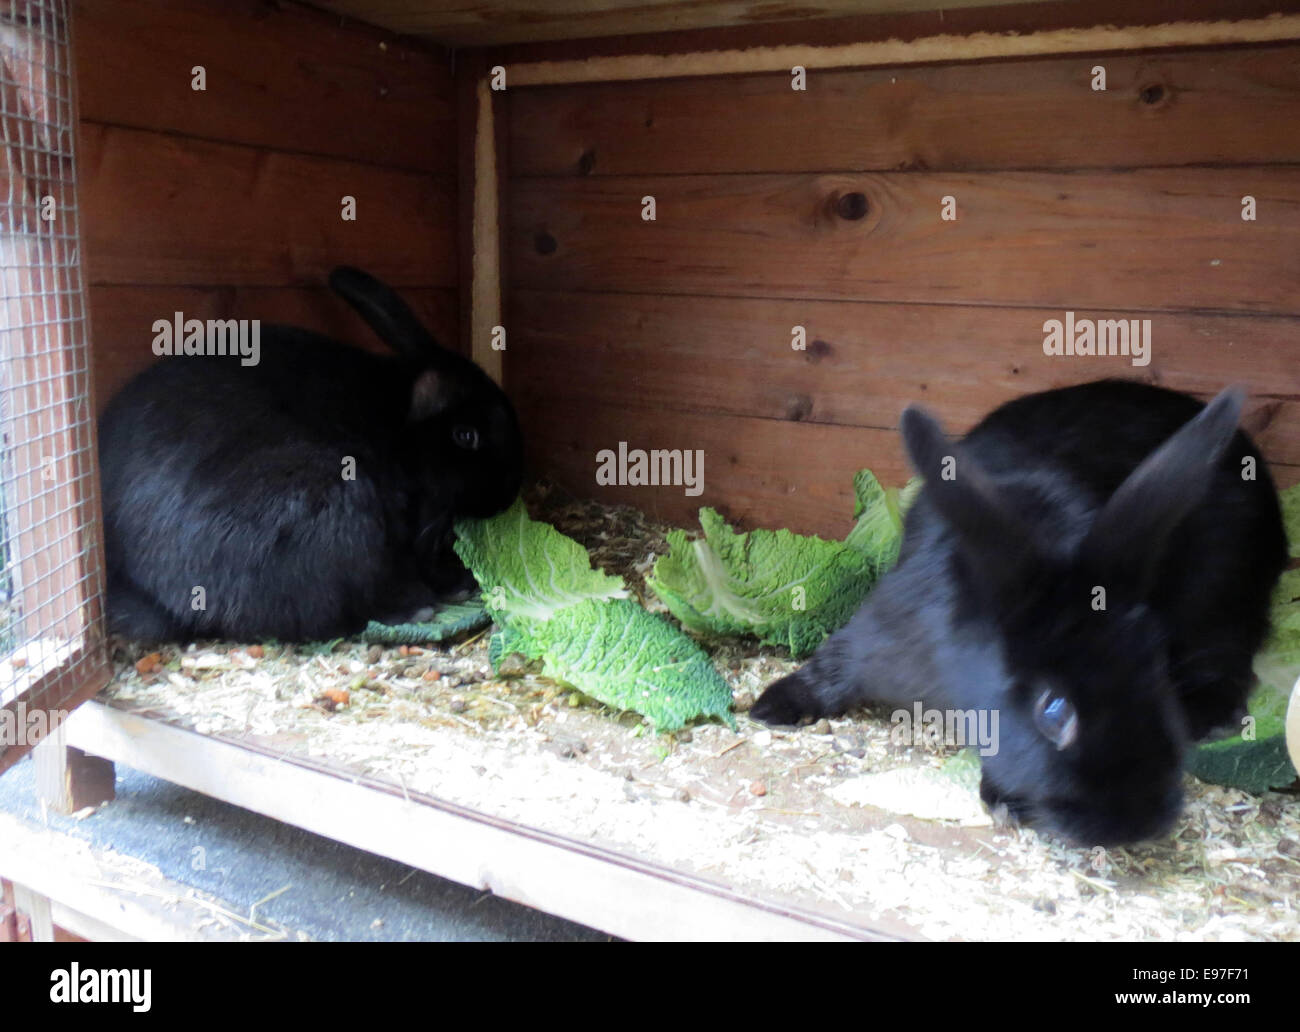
column 821, row 209
column 226, row 203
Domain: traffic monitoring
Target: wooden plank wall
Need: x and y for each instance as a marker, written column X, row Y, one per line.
column 821, row 209
column 226, row 203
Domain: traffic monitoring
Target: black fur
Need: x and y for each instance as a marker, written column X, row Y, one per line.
column 1116, row 484
column 231, row 478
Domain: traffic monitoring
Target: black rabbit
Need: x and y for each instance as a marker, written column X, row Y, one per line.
column 1142, row 492
column 301, row 496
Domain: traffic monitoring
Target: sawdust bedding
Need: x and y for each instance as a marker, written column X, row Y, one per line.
column 775, row 813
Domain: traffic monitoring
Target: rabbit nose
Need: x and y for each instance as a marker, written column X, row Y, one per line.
column 1157, row 814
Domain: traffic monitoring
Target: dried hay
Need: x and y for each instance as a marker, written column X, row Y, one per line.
column 763, row 810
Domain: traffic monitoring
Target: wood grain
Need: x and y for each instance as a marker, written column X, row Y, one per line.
column 168, row 209
column 1172, row 108
column 759, row 472
column 863, row 363
column 1150, row 239
column 906, row 26
column 615, row 889
column 278, row 76
column 122, row 317
column 489, row 22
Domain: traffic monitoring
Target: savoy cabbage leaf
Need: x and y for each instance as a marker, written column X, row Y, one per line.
column 625, row 657
column 1290, row 501
column 1257, row 760
column 783, row 588
column 529, row 569
column 551, row 605
column 447, row 621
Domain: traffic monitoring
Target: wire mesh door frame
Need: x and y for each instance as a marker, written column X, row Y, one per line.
column 52, row 644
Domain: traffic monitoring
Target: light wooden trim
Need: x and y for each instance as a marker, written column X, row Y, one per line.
column 485, row 23
column 50, row 757
column 81, row 673
column 485, row 288
column 37, row 907
column 94, row 929
column 63, row 882
column 614, row 892
column 978, row 46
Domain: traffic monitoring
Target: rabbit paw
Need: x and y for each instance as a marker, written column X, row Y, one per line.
column 787, row 701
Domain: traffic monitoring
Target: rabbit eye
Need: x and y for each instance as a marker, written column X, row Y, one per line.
column 465, row 437
column 1055, row 718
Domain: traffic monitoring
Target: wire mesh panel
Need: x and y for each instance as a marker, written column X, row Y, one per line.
column 51, row 640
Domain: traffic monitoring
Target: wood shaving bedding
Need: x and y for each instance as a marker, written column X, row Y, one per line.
column 766, row 810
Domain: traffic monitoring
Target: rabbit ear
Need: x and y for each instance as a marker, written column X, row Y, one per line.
column 1129, row 535
column 993, row 537
column 429, row 395
column 385, row 313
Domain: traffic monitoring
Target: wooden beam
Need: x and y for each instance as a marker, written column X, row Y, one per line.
column 1170, row 108
column 67, row 780
column 14, row 926
column 485, row 282
column 615, row 892
column 104, row 896
column 36, row 906
column 864, row 28
column 945, row 47
column 473, row 23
